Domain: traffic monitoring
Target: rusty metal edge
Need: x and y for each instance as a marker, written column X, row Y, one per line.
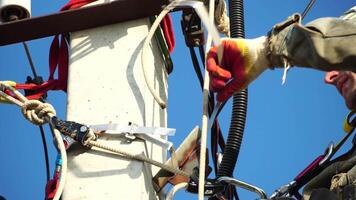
column 78, row 19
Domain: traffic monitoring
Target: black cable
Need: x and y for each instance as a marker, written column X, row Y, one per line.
column 196, row 67
column 45, row 150
column 202, row 54
column 307, row 8
column 43, row 136
column 29, row 58
column 216, row 133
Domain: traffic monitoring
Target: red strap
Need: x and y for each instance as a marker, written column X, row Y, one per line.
column 52, row 187
column 73, row 4
column 168, row 32
column 40, row 89
column 58, row 57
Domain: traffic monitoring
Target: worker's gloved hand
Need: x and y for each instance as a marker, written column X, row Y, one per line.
column 242, row 61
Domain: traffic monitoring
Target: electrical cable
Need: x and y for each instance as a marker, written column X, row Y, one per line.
column 29, row 58
column 202, row 54
column 43, row 136
column 216, row 133
column 45, row 152
column 217, row 138
column 307, row 8
column 239, row 105
column 145, row 57
column 196, row 66
column 175, row 188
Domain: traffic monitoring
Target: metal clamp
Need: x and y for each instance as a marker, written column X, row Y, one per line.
column 192, row 29
column 211, row 187
column 79, row 132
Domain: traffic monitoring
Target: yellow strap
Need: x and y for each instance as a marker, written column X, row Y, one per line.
column 347, row 126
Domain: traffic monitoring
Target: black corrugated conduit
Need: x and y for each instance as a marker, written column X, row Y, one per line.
column 239, row 107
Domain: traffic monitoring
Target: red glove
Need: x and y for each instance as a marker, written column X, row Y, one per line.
column 242, row 61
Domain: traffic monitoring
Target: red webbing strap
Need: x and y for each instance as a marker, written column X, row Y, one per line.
column 40, row 89
column 52, row 187
column 73, row 4
column 168, row 31
column 58, row 57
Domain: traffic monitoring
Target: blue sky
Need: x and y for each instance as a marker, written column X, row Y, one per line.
column 287, row 126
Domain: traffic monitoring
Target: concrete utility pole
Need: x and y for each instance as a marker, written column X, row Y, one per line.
column 106, row 85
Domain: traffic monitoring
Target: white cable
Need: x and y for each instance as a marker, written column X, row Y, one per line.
column 144, row 57
column 205, row 117
column 62, row 151
column 177, row 187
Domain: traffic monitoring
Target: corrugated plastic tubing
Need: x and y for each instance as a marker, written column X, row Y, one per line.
column 239, row 107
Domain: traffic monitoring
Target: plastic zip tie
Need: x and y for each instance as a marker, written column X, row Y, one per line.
column 120, row 128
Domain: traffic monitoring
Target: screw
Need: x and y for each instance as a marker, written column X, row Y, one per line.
column 83, row 129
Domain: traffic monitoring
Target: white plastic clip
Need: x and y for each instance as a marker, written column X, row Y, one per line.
column 151, row 134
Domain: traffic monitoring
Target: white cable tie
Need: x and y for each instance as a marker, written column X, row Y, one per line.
column 151, row 134
column 133, row 128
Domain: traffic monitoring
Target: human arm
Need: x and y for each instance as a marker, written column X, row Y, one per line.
column 324, row 44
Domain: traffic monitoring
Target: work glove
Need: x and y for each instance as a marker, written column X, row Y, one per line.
column 242, row 61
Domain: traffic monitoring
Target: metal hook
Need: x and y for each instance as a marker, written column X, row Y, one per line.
column 243, row 185
column 328, row 154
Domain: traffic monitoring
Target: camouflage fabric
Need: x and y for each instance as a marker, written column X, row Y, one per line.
column 325, row 43
column 329, row 178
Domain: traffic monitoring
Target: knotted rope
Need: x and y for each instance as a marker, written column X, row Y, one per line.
column 222, row 21
column 37, row 113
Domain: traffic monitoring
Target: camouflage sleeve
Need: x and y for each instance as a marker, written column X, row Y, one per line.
column 325, row 43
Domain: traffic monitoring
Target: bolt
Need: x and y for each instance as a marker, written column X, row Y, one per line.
column 83, row 129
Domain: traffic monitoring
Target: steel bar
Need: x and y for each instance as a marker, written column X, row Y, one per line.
column 78, row 19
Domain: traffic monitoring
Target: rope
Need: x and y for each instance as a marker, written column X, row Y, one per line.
column 222, row 21
column 177, row 187
column 38, row 113
column 35, row 111
column 139, row 158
